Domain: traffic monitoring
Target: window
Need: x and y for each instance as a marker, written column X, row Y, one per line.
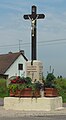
column 20, row 66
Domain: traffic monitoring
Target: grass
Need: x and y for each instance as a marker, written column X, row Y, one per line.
column 3, row 88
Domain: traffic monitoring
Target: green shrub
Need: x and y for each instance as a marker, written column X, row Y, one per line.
column 49, row 82
column 3, row 88
column 61, row 87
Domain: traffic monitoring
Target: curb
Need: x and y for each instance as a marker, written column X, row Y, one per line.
column 17, row 113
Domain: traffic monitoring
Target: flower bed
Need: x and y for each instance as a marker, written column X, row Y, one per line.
column 23, row 87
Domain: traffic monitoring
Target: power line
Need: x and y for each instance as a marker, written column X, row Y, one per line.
column 56, row 40
column 51, row 42
column 8, row 45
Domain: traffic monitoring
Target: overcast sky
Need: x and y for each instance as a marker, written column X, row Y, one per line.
column 51, row 31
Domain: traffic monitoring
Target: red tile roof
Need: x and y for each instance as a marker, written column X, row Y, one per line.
column 6, row 60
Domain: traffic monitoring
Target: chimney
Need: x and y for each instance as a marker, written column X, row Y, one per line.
column 10, row 52
column 22, row 51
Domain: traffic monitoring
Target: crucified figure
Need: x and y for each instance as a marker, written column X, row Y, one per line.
column 33, row 24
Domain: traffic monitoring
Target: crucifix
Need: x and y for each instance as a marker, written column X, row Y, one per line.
column 33, row 18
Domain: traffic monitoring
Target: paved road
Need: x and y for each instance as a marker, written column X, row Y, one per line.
column 32, row 115
column 35, row 118
column 24, row 115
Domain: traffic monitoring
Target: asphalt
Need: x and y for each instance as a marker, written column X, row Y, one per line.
column 17, row 113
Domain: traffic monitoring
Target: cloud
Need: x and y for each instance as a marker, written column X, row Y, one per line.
column 1, row 27
column 9, row 6
column 53, row 23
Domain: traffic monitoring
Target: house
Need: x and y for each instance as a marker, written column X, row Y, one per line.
column 13, row 64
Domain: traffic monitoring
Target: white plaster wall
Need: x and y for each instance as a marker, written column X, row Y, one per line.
column 13, row 70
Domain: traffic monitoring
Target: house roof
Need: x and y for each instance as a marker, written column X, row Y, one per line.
column 6, row 60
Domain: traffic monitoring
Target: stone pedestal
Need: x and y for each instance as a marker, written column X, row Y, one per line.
column 33, row 104
column 35, row 71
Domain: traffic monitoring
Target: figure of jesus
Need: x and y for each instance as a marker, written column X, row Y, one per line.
column 32, row 26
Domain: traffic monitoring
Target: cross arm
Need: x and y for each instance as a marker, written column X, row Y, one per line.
column 40, row 16
column 30, row 16
column 26, row 16
column 34, row 16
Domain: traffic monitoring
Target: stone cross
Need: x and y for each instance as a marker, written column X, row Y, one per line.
column 33, row 17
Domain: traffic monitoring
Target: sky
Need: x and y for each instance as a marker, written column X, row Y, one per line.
column 15, row 32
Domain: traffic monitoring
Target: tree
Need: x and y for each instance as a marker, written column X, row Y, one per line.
column 50, row 80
